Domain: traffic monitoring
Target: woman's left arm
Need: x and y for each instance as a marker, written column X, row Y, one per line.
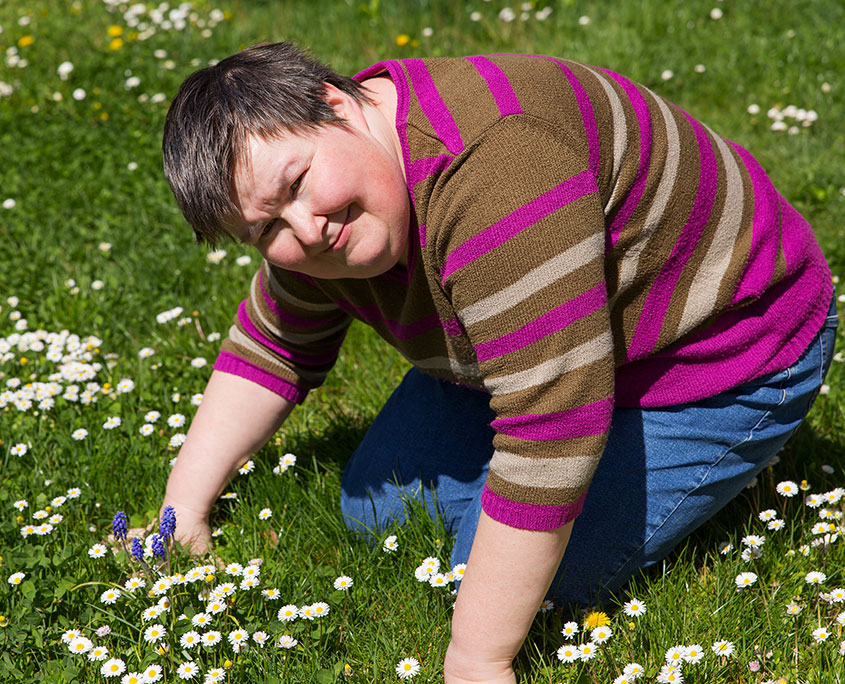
column 507, row 576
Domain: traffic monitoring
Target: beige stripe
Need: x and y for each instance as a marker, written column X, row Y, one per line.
column 628, row 266
column 704, row 290
column 570, row 472
column 620, row 137
column 253, row 347
column 279, row 292
column 468, row 370
column 297, row 338
column 585, row 353
column 535, row 280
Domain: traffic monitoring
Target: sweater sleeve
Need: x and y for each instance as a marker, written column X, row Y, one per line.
column 521, row 244
column 286, row 334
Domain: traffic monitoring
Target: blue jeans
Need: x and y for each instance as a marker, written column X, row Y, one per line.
column 664, row 471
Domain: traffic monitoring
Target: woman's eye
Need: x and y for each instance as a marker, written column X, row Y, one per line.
column 267, row 228
column 295, row 185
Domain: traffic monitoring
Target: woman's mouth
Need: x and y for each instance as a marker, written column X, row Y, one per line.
column 343, row 234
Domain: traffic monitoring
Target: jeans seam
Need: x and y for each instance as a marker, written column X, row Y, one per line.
column 698, row 486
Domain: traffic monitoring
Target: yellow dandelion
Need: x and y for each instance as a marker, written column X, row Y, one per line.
column 596, row 619
column 116, row 44
column 114, row 31
column 227, row 665
column 403, row 39
column 104, row 116
column 25, row 41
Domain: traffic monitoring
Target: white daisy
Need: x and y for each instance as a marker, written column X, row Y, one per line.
column 97, row 551
column 787, row 488
column 570, row 629
column 238, row 636
column 154, row 633
column 587, row 651
column 693, row 653
column 80, row 644
column 723, row 648
column 634, row 608
column 188, row 670
column 601, row 634
column 793, row 608
column 821, row 634
column 152, row 674
column 211, row 638
column 568, row 653
column 343, row 583
column 286, row 641
column 113, row 667
column 320, row 609
column 675, row 655
column 407, row 668
column 97, row 653
column 288, row 613
column 815, row 577
column 745, row 579
column 110, row 596
column 190, row 639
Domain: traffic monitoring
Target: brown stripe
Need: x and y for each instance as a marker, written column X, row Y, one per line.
column 678, row 301
column 532, row 495
column 576, row 446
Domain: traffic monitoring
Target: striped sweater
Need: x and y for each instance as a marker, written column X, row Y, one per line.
column 578, row 243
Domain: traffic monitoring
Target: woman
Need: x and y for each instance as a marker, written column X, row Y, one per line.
column 614, row 318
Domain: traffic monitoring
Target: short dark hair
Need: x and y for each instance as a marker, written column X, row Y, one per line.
column 265, row 90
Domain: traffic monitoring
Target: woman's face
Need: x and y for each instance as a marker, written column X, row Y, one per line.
column 330, row 203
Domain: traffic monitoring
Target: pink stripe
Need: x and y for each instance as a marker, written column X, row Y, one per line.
column 291, row 319
column 632, row 200
column 428, row 166
column 529, row 516
column 588, row 116
column 301, row 359
column 433, row 106
column 235, row 365
column 660, row 295
column 581, row 421
column 514, row 223
column 764, row 234
column 763, row 337
column 499, row 85
column 547, row 324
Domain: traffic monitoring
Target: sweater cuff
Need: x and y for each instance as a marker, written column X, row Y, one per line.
column 229, row 363
column 529, row 516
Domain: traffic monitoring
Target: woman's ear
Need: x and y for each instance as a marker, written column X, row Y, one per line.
column 344, row 106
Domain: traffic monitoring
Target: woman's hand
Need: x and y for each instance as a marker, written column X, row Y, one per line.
column 462, row 668
column 192, row 530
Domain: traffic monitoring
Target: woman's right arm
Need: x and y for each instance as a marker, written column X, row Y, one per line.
column 235, row 419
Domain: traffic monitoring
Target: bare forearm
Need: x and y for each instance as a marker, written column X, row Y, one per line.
column 507, row 576
column 235, row 419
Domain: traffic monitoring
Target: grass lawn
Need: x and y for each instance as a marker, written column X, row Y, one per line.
column 102, row 289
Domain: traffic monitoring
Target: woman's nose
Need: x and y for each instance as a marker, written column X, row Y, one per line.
column 309, row 228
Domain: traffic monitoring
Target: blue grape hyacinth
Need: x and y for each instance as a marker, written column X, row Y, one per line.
column 167, row 525
column 120, row 526
column 137, row 549
column 158, row 546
